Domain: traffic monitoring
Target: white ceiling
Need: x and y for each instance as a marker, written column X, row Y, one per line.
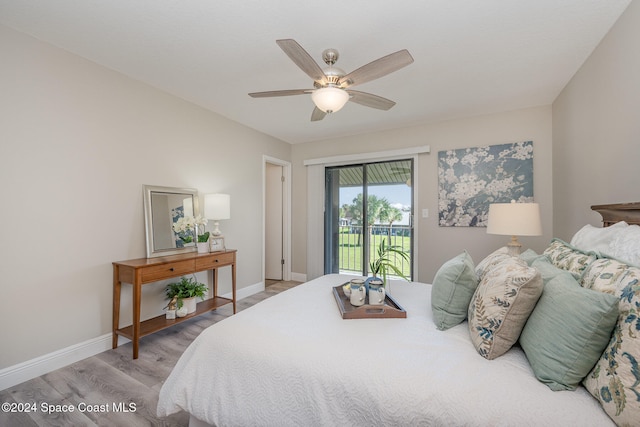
column 471, row 57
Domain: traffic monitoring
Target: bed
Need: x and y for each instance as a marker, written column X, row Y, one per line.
column 293, row 360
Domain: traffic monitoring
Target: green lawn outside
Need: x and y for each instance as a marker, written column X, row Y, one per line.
column 350, row 248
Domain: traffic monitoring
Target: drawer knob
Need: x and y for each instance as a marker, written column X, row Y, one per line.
column 171, row 269
column 217, row 260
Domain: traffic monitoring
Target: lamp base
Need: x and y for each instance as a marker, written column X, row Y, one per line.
column 514, row 247
column 216, row 230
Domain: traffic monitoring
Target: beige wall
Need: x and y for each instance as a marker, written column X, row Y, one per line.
column 438, row 244
column 596, row 130
column 77, row 142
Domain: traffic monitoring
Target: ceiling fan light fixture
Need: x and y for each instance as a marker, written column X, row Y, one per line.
column 329, row 99
column 331, row 84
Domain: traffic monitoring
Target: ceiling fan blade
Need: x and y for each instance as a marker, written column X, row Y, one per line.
column 317, row 114
column 271, row 93
column 378, row 68
column 302, row 59
column 370, row 100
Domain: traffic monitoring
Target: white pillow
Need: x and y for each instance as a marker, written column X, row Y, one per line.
column 598, row 239
column 626, row 246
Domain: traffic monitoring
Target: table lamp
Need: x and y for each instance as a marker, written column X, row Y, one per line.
column 514, row 219
column 217, row 207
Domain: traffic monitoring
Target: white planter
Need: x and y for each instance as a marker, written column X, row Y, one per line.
column 203, row 247
column 189, row 304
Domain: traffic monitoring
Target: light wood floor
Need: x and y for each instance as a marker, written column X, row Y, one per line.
column 114, row 378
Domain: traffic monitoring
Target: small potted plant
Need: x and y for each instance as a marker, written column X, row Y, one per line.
column 185, row 291
column 203, row 238
column 385, row 262
column 185, row 226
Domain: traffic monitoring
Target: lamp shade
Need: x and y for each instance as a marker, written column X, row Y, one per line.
column 217, row 206
column 514, row 219
column 329, row 99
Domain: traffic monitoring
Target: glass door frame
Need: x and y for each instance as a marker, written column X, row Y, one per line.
column 332, row 216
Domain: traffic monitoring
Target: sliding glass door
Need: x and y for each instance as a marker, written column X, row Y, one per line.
column 366, row 204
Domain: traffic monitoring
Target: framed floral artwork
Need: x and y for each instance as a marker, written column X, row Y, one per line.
column 470, row 179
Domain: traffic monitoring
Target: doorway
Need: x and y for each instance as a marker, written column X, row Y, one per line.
column 367, row 205
column 276, row 208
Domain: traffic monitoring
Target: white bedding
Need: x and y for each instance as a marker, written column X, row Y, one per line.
column 292, row 360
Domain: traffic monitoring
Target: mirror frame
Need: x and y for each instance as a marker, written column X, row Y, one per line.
column 148, row 190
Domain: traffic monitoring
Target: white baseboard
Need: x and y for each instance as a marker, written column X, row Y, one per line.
column 33, row 368
column 247, row 291
column 25, row 371
column 298, row 277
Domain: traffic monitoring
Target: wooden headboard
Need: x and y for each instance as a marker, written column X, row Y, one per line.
column 627, row 212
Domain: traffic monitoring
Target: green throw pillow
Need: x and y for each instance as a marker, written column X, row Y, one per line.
column 529, row 256
column 567, row 332
column 453, row 286
column 549, row 271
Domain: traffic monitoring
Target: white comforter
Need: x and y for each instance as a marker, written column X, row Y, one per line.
column 292, row 360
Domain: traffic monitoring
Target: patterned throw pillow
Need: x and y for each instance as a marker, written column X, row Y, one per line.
column 566, row 257
column 615, row 379
column 603, row 274
column 452, row 289
column 491, row 260
column 501, row 304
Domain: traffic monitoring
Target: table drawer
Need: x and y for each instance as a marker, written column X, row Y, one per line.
column 167, row 271
column 215, row 261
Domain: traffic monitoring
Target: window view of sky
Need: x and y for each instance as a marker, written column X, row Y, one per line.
column 398, row 195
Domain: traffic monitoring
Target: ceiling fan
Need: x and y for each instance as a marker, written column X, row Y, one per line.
column 332, row 84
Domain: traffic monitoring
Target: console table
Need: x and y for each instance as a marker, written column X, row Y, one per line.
column 142, row 271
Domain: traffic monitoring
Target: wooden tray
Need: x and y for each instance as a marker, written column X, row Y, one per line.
column 390, row 310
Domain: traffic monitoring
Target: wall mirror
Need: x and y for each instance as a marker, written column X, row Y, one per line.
column 163, row 206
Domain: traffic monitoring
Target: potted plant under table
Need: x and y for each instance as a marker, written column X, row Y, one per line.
column 186, row 291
